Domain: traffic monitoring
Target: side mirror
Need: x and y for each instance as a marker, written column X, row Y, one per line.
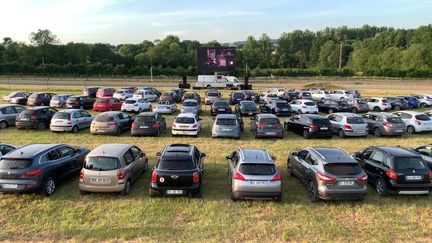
column 273, row 157
column 203, row 155
column 158, row 154
column 228, row 157
column 251, row 118
column 294, row 153
column 356, row 154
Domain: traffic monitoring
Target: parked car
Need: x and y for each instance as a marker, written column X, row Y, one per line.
column 278, row 91
column 266, row 125
column 211, row 96
column 123, row 94
column 251, row 95
column 145, row 94
column 246, row 108
column 166, row 107
column 39, row 99
column 378, row 104
column 71, row 120
column 289, row 96
column 190, row 106
column 395, row 170
column 59, row 101
column 267, row 97
column 412, row 101
column 415, row 122
column 186, row 124
column 328, row 173
column 136, row 105
column 105, row 92
column 227, row 126
column 8, row 114
column 310, row 126
column 112, row 168
column 253, row 175
column 304, row 95
column 426, row 153
column 131, row 89
column 169, row 96
column 148, row 123
column 397, row 103
column 220, row 107
column 107, row 104
column 348, row 125
column 277, row 107
column 39, row 167
column 111, row 122
column 384, row 124
column 358, row 105
column 177, row 98
column 90, row 91
column 236, row 97
column 341, row 95
column 5, row 149
column 356, row 94
column 424, row 100
column 17, row 97
column 301, row 106
column 80, row 102
column 320, row 95
column 330, row 106
column 178, row 172
column 180, row 92
column 154, row 90
column 38, row 117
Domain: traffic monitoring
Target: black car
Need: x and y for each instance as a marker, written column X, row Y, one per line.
column 247, row 108
column 266, row 125
column 426, row 152
column 331, row 106
column 289, row 96
column 148, row 123
column 19, row 97
column 178, row 172
column 397, row 103
column 39, row 99
column 236, row 97
column 36, row 118
column 310, row 126
column 251, row 95
column 277, row 107
column 179, row 91
column 91, row 91
column 220, row 107
column 39, row 167
column 395, row 170
column 80, row 102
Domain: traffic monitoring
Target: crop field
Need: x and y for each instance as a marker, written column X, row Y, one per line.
column 110, row 217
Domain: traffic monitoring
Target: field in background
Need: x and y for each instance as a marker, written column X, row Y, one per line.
column 69, row 216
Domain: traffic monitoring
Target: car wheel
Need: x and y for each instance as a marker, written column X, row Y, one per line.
column 117, row 132
column 410, row 130
column 299, row 112
column 127, row 188
column 40, row 126
column 312, row 192
column 198, row 194
column 152, row 193
column 341, row 133
column 83, row 192
column 377, row 109
column 3, row 125
column 381, row 187
column 278, row 198
column 306, row 134
column 290, row 169
column 75, row 129
column 397, row 108
column 48, row 187
column 330, row 111
column 423, row 105
column 322, row 99
column 377, row 132
column 354, row 110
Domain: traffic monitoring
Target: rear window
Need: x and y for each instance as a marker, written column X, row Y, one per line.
column 72, row 99
column 422, row 117
column 321, row 122
column 394, row 120
column 282, row 105
column 15, row 163
column 310, row 103
column 248, row 105
column 145, row 119
column 355, row 120
column 238, row 95
column 101, row 100
column 257, row 169
column 61, row 115
column 409, row 163
column 183, row 164
column 269, row 121
column 226, row 121
column 104, row 118
column 56, row 97
column 130, row 101
column 361, row 101
column 343, row 169
column 102, row 163
column 219, row 103
column 185, row 120
column 343, row 103
column 33, row 96
column 26, row 113
column 190, row 104
column 213, row 94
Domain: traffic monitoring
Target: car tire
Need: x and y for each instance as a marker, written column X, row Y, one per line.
column 423, row 105
column 410, row 130
column 376, row 109
column 290, row 169
column 381, row 187
column 341, row 133
column 40, row 126
column 330, row 111
column 354, row 110
column 117, row 132
column 127, row 188
column 313, row 192
column 306, row 134
column 152, row 193
column 48, row 186
column 299, row 112
column 83, row 192
column 3, row 124
column 278, row 198
column 198, row 194
column 75, row 129
column 397, row 108
column 377, row 132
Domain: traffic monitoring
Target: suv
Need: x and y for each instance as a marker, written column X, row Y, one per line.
column 178, row 171
column 310, row 126
column 37, row 118
column 253, row 174
column 39, row 99
column 395, row 170
column 266, row 125
column 331, row 106
column 384, row 124
column 39, row 167
column 328, row 173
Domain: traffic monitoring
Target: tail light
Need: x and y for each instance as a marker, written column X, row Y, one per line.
column 34, row 117
column 325, row 178
column 347, row 127
column 154, row 177
column 260, row 125
column 194, row 125
column 303, row 106
column 32, row 173
column 417, row 122
column 391, row 174
column 82, row 174
column 120, row 175
column 277, row 177
column 239, row 176
column 313, row 127
column 173, row 125
column 430, row 175
column 362, row 178
column 134, row 125
column 388, row 124
column 69, row 120
column 155, row 125
column 196, row 178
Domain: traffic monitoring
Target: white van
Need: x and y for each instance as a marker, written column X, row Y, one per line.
column 216, row 81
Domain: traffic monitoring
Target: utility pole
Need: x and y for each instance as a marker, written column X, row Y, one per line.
column 340, row 56
column 151, row 70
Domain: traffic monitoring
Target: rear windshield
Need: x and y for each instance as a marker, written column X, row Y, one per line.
column 15, row 163
column 104, row 118
column 184, row 164
column 102, row 163
column 72, row 99
column 226, row 121
column 257, row 169
column 56, row 97
column 422, row 117
column 310, row 103
column 321, row 122
column 101, row 100
column 220, row 103
column 26, row 113
column 343, row 169
column 130, row 101
column 269, row 120
column 185, row 120
column 394, row 120
column 61, row 115
column 213, row 94
column 355, row 120
column 409, row 163
column 282, row 105
column 190, row 104
column 145, row 119
column 249, row 105
column 238, row 95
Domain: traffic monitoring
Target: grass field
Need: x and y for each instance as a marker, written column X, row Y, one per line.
column 109, row 217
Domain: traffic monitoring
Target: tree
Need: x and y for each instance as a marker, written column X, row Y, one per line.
column 43, row 37
column 329, row 55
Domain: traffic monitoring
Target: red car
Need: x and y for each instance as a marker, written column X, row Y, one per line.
column 105, row 92
column 107, row 104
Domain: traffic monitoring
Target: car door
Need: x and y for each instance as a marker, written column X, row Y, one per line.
column 232, row 165
column 130, row 165
column 18, row 110
column 9, row 115
column 253, row 123
column 337, row 123
column 304, row 166
column 333, row 122
column 72, row 157
column 294, row 105
column 77, row 119
column 296, row 164
column 139, row 161
column 54, row 164
column 86, row 119
column 373, row 163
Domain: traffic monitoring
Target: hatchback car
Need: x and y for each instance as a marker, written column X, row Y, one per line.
column 39, row 99
column 310, row 126
column 14, row 97
column 277, row 107
column 384, row 124
column 211, row 96
column 253, row 175
column 236, row 97
column 395, row 170
column 378, row 104
column 320, row 95
column 191, row 95
column 6, row 148
column 136, row 105
column 266, row 125
column 220, row 107
column 348, row 125
column 227, row 126
column 59, row 101
column 165, row 107
column 186, row 124
column 304, row 95
column 358, row 105
column 330, row 106
column 145, row 94
column 247, row 108
column 105, row 92
column 289, row 96
column 426, row 152
column 424, row 100
column 412, row 101
column 112, row 168
column 397, row 103
column 328, row 173
column 148, row 123
column 341, row 95
column 178, row 172
column 8, row 114
column 111, row 122
column 80, row 102
column 107, row 104
column 90, row 91
column 302, row 106
column 38, row 117
column 169, row 96
column 71, row 120
column 267, row 97
column 39, row 167
column 415, row 122
column 123, row 94
column 190, row 106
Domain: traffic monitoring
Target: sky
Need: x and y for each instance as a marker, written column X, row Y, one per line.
column 132, row 21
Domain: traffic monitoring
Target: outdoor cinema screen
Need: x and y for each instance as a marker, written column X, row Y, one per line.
column 213, row 59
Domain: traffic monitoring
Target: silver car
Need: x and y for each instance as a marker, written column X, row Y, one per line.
column 227, row 126
column 8, row 114
column 59, row 101
column 348, row 124
column 384, row 124
column 191, row 106
column 71, row 120
column 253, row 175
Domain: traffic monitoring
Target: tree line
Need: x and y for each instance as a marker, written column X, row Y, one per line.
column 342, row 51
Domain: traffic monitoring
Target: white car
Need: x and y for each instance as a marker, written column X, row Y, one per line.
column 136, row 105
column 186, row 124
column 145, row 94
column 320, row 95
column 341, row 95
column 415, row 121
column 123, row 94
column 277, row 91
column 378, row 104
column 304, row 106
column 425, row 100
column 165, row 107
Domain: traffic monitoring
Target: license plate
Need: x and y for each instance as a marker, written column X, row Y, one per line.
column 10, row 186
column 226, row 129
column 258, row 182
column 324, row 128
column 25, row 119
column 221, row 109
column 271, row 133
column 284, row 109
column 359, row 131
column 346, row 183
column 400, row 130
column 250, row 114
column 174, row 192
column 144, row 127
column 184, row 127
column 413, row 178
column 100, row 180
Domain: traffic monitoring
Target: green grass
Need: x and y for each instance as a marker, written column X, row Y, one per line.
column 109, row 217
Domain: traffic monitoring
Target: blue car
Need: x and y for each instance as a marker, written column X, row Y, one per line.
column 413, row 102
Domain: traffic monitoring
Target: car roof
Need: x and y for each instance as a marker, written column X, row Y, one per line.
column 148, row 113
column 333, row 155
column 410, row 112
column 221, row 101
column 347, row 114
column 39, row 107
column 305, row 100
column 110, row 113
column 398, row 151
column 314, row 116
column 110, row 150
column 70, row 110
column 31, row 150
column 233, row 116
column 385, row 114
column 7, row 105
column 255, row 156
column 191, row 100
column 177, row 151
column 187, row 114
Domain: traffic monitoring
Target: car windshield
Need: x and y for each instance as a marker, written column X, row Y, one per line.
column 15, row 163
column 355, row 120
column 310, row 103
column 61, row 115
column 409, row 163
column 238, row 95
column 178, row 164
column 189, row 104
column 394, row 120
column 226, row 121
column 212, row 94
column 221, row 103
column 342, row 169
column 145, row 119
column 102, row 163
column 185, row 120
column 130, row 101
column 257, row 169
column 101, row 100
column 104, row 118
column 422, row 117
column 269, row 120
column 282, row 105
column 361, row 101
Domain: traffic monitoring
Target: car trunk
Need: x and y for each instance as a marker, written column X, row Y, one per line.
column 346, row 175
column 101, row 171
column 14, row 168
column 411, row 170
column 175, row 173
column 104, row 122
